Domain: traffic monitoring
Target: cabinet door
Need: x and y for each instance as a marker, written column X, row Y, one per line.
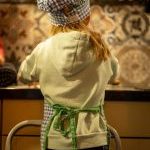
column 132, row 144
column 23, row 143
column 136, row 144
column 33, row 143
column 15, row 111
column 130, row 119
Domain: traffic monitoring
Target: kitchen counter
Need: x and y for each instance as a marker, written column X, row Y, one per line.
column 113, row 92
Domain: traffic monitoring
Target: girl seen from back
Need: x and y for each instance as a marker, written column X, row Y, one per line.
column 73, row 67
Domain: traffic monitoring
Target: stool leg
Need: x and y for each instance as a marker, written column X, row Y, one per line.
column 117, row 138
column 18, row 127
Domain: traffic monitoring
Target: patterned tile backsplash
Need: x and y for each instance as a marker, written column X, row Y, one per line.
column 125, row 29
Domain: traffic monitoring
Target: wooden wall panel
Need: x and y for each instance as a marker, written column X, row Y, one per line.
column 24, row 143
column 133, row 144
column 15, row 111
column 33, row 143
column 131, row 119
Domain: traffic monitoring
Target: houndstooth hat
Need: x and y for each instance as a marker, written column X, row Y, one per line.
column 63, row 12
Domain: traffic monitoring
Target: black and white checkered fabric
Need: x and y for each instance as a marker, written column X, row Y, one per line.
column 48, row 112
column 62, row 12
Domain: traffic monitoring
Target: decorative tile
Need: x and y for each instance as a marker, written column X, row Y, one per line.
column 21, row 29
column 1, row 1
column 23, row 1
column 17, row 1
column 99, row 22
column 135, row 64
column 127, row 33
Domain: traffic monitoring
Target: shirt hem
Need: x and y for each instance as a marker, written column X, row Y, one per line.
column 83, row 141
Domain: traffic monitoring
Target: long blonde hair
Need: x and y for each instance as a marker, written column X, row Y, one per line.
column 100, row 50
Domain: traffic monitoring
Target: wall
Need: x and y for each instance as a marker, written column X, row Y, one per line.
column 125, row 29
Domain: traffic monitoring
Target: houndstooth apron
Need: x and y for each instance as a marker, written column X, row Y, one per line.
column 48, row 112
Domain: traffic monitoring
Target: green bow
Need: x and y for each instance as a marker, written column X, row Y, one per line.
column 63, row 114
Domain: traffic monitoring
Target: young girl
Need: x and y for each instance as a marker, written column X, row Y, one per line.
column 73, row 67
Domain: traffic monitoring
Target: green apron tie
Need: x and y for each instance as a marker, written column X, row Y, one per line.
column 63, row 114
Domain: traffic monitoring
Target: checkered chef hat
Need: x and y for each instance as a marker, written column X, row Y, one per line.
column 63, row 12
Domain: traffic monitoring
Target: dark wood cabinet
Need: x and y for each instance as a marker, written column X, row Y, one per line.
column 128, row 115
